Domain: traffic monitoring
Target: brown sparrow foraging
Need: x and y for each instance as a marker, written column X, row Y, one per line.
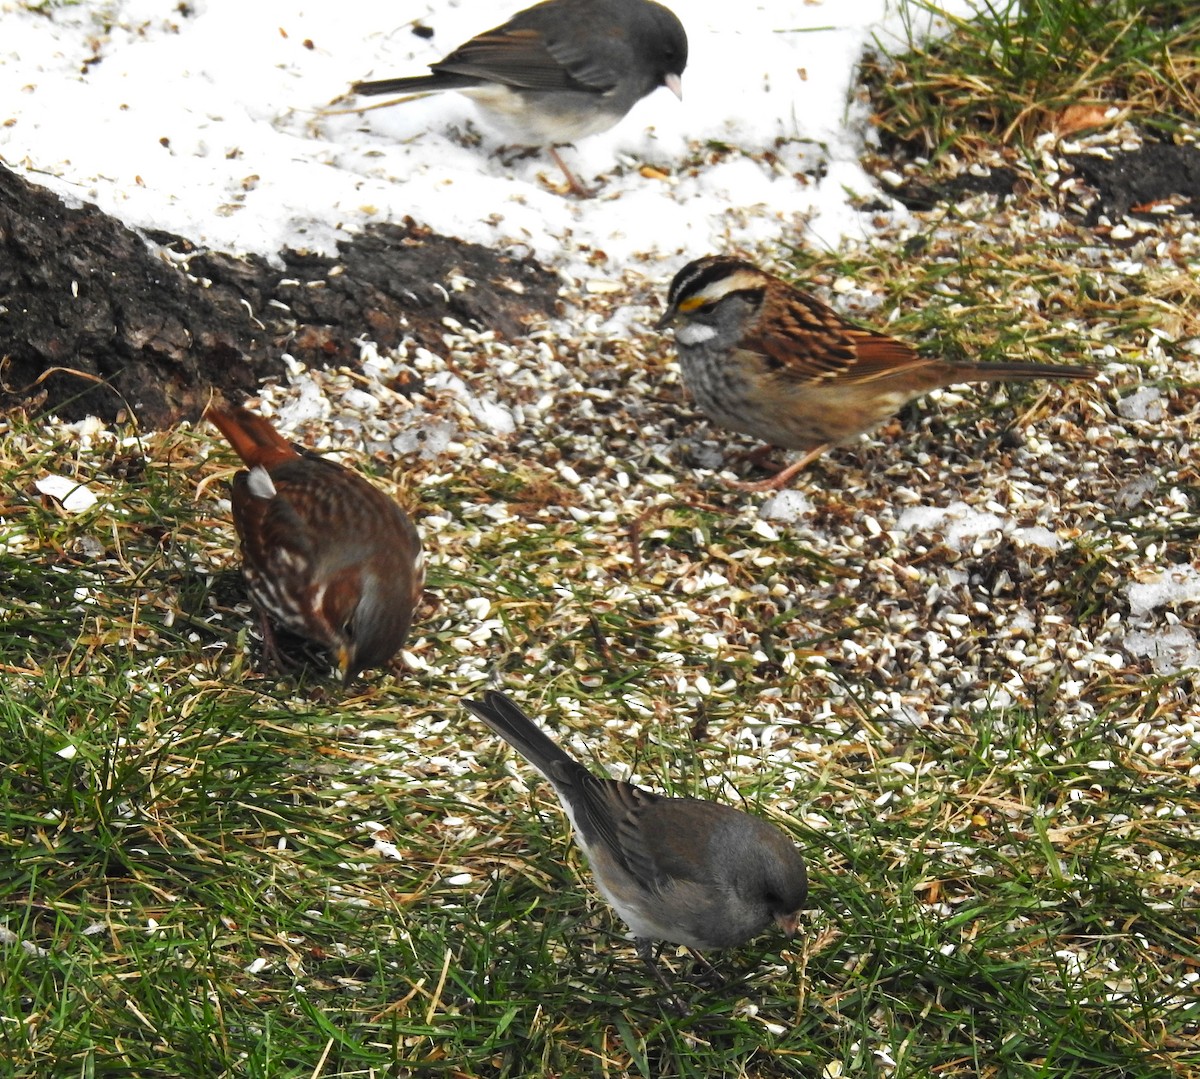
column 559, row 70
column 326, row 555
column 768, row 360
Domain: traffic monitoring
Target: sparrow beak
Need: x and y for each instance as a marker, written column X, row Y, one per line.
column 345, row 660
column 668, row 316
column 789, row 923
column 675, row 84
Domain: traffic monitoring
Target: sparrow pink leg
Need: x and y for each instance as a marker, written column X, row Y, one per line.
column 272, row 657
column 780, row 479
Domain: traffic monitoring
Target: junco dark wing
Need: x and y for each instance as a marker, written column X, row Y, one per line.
column 676, row 869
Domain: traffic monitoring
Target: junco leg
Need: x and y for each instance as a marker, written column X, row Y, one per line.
column 646, row 954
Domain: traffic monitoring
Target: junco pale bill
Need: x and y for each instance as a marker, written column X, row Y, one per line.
column 681, row 870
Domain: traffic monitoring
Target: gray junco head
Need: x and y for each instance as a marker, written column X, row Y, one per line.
column 675, row 869
column 560, row 70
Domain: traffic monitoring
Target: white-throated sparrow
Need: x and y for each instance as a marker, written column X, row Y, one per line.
column 766, row 359
column 560, row 70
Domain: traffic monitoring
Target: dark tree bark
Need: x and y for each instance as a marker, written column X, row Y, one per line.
column 94, row 319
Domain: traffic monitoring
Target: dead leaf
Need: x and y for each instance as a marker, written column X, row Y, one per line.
column 1075, row 118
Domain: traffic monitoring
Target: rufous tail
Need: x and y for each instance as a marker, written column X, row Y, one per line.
column 253, row 439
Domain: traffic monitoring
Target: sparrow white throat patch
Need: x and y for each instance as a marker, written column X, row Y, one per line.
column 694, row 333
column 259, row 483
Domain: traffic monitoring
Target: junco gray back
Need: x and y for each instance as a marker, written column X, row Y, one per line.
column 560, row 70
column 675, row 869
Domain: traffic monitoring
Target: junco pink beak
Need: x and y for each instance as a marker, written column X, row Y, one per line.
column 675, row 869
column 788, row 923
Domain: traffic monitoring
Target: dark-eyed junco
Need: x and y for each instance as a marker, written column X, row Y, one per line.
column 766, row 359
column 560, row 70
column 675, row 869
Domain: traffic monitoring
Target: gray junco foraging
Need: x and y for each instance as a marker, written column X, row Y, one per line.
column 560, row 70
column 675, row 869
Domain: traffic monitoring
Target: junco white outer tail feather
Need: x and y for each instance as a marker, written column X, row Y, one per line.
column 560, row 70
column 675, row 869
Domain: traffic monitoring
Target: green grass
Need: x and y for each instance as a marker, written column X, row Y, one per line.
column 210, row 870
column 1007, row 74
column 190, row 886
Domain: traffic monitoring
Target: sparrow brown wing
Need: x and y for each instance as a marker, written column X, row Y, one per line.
column 811, row 343
column 272, row 532
column 877, row 356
